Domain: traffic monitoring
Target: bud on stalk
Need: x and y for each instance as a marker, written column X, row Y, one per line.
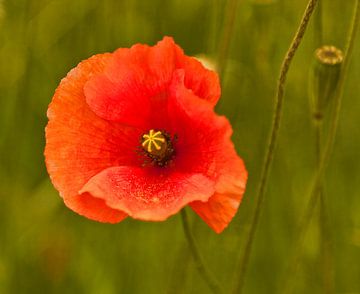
column 324, row 77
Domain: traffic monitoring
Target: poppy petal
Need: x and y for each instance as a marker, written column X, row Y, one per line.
column 206, row 148
column 203, row 82
column 133, row 80
column 148, row 194
column 118, row 92
column 230, row 188
column 162, row 62
column 79, row 144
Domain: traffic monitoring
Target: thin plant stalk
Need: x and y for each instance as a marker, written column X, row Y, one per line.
column 317, row 182
column 226, row 37
column 325, row 235
column 325, row 238
column 326, row 247
column 273, row 140
column 198, row 259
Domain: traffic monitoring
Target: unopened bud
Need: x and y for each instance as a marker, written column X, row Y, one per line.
column 324, row 77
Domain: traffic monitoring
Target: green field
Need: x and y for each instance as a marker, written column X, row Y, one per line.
column 47, row 248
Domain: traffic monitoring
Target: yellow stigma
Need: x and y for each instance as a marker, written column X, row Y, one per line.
column 153, row 139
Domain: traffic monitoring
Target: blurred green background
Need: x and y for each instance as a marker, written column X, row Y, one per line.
column 46, row 248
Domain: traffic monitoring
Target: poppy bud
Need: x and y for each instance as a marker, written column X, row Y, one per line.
column 324, row 77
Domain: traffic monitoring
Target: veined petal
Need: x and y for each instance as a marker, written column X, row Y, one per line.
column 148, row 194
column 79, row 144
column 219, row 210
column 202, row 82
column 130, row 87
column 133, row 82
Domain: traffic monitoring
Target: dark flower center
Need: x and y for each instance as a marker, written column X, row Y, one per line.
column 158, row 146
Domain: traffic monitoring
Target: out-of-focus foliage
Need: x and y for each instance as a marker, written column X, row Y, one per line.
column 46, row 248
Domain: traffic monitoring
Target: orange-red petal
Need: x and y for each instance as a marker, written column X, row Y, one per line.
column 230, row 188
column 203, row 82
column 129, row 88
column 79, row 144
column 135, row 78
column 148, row 193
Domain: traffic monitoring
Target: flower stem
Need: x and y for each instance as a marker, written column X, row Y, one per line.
column 198, row 259
column 316, row 185
column 326, row 246
column 324, row 237
column 273, row 140
column 325, row 234
column 230, row 17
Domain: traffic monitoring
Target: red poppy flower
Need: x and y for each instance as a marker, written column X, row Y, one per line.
column 134, row 133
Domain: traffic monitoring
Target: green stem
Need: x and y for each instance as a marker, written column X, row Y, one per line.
column 273, row 140
column 326, row 246
column 325, row 235
column 326, row 250
column 230, row 17
column 316, row 185
column 198, row 259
